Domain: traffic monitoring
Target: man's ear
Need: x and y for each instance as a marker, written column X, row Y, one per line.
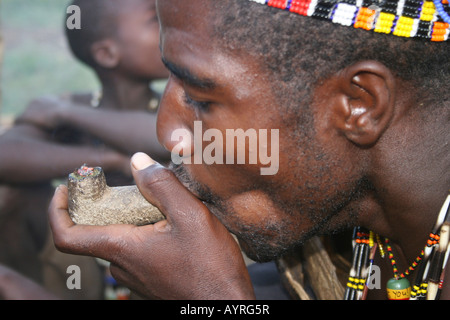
column 106, row 53
column 366, row 101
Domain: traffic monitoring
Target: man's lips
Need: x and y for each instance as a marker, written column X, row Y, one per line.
column 192, row 190
column 184, row 178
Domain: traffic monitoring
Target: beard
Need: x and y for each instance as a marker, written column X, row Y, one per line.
column 199, row 190
column 270, row 239
column 262, row 242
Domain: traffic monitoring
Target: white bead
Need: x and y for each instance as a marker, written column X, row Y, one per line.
column 344, row 14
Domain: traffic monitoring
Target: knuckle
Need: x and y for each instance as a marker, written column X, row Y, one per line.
column 158, row 177
column 61, row 242
column 117, row 273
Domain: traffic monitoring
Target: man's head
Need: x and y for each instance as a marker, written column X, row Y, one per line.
column 332, row 91
column 118, row 35
column 294, row 45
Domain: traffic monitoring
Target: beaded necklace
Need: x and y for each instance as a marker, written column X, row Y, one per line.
column 430, row 263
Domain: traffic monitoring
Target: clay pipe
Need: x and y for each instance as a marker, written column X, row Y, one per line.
column 92, row 202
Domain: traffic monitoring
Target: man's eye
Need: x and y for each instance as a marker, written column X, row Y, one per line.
column 196, row 104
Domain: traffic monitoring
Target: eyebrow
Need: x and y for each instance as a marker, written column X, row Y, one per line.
column 186, row 76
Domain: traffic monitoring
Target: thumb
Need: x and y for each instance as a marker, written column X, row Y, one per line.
column 162, row 188
column 141, row 161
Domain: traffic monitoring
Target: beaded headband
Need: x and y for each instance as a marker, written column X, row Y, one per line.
column 404, row 18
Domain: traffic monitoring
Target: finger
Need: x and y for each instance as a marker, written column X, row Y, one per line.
column 58, row 210
column 105, row 242
column 162, row 188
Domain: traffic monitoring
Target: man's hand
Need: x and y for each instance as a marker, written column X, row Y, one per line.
column 190, row 255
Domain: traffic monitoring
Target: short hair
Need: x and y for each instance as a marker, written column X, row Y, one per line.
column 297, row 46
column 97, row 23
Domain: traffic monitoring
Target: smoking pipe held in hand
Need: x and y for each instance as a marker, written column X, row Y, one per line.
column 92, row 202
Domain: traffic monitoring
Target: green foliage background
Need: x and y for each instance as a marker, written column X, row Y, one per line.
column 36, row 58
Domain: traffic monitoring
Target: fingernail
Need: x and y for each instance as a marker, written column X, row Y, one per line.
column 141, row 161
column 59, row 188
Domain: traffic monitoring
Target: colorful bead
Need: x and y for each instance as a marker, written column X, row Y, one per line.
column 440, row 33
column 429, row 276
column 404, row 18
column 384, row 22
column 300, row 7
column 365, row 19
column 358, row 272
column 410, row 269
column 419, row 292
column 423, row 289
column 428, row 10
column 280, row 4
column 411, row 8
column 415, row 263
column 404, row 27
column 414, row 291
column 371, row 240
column 380, row 246
column 441, row 11
column 344, row 14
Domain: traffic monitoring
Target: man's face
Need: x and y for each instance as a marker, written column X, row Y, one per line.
column 225, row 91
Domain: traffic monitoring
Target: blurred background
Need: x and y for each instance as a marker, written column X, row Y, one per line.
column 36, row 60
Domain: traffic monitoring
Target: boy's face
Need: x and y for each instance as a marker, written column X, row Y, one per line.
column 138, row 37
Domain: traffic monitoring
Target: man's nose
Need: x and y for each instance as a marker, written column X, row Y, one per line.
column 174, row 117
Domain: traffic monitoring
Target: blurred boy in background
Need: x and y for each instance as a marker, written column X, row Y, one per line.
column 55, row 135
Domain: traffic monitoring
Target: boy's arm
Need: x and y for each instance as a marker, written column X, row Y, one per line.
column 126, row 131
column 14, row 286
column 28, row 155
